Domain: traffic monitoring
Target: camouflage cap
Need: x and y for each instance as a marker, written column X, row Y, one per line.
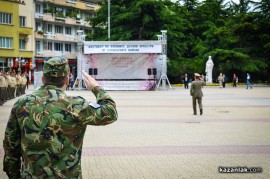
column 56, row 67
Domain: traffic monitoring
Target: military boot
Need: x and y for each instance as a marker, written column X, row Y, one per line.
column 201, row 111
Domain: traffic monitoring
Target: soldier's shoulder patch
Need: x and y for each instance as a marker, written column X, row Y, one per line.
column 94, row 105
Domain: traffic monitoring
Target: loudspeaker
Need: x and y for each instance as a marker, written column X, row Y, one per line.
column 154, row 71
column 149, row 71
column 90, row 71
column 95, row 71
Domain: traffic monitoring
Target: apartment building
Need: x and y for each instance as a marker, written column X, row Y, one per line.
column 57, row 23
column 16, row 35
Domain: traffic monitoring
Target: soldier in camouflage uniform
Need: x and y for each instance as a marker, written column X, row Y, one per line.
column 46, row 128
column 23, row 83
column 8, row 87
column 3, row 87
column 12, row 82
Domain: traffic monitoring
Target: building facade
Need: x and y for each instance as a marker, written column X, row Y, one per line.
column 57, row 23
column 16, row 35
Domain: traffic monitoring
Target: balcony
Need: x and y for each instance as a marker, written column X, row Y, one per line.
column 38, row 16
column 83, row 22
column 39, row 54
column 60, row 19
column 48, row 53
column 71, row 21
column 49, row 35
column 39, row 34
column 70, row 55
column 77, row 4
column 67, row 20
column 71, row 1
column 89, row 4
column 71, row 38
column 48, row 17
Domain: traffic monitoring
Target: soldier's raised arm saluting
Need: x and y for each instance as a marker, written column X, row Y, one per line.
column 46, row 128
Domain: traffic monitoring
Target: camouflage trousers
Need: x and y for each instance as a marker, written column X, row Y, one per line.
column 11, row 92
column 23, row 87
column 3, row 94
column 18, row 90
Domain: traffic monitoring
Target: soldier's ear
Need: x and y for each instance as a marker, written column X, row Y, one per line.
column 42, row 79
column 67, row 80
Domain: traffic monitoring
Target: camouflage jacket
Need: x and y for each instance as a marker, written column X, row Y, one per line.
column 45, row 131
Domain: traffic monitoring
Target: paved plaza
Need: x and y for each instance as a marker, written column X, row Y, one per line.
column 158, row 137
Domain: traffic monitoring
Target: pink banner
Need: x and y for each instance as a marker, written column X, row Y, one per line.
column 122, row 66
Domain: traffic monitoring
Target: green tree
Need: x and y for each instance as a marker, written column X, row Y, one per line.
column 236, row 35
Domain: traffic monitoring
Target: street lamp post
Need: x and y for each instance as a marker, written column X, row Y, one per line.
column 19, row 60
column 81, row 38
column 109, row 20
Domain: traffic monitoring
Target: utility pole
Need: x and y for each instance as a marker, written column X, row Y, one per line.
column 109, row 20
column 81, row 39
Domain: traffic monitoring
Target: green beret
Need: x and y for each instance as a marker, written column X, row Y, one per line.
column 56, row 67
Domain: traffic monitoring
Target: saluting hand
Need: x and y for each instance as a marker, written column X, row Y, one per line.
column 89, row 81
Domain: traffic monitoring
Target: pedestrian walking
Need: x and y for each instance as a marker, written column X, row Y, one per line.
column 71, row 81
column 248, row 83
column 45, row 131
column 224, row 81
column 196, row 93
column 220, row 80
column 186, row 81
column 27, row 78
column 235, row 80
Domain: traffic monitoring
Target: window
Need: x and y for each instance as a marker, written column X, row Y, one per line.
column 38, row 10
column 22, row 21
column 68, row 30
column 87, row 15
column 5, row 42
column 58, row 47
column 5, row 18
column 59, row 12
column 22, row 43
column 37, row 46
column 38, row 26
column 49, row 45
column 49, row 27
column 68, row 47
column 59, row 29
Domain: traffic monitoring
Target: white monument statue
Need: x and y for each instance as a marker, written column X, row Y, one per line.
column 209, row 69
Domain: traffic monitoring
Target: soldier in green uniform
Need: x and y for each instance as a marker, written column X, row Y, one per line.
column 45, row 131
column 8, row 85
column 196, row 93
column 12, row 82
column 2, row 88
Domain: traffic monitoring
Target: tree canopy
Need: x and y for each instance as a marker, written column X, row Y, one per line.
column 236, row 35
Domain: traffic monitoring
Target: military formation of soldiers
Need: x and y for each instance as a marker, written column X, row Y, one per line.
column 11, row 85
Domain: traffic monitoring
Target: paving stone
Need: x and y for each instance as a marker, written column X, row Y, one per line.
column 157, row 136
